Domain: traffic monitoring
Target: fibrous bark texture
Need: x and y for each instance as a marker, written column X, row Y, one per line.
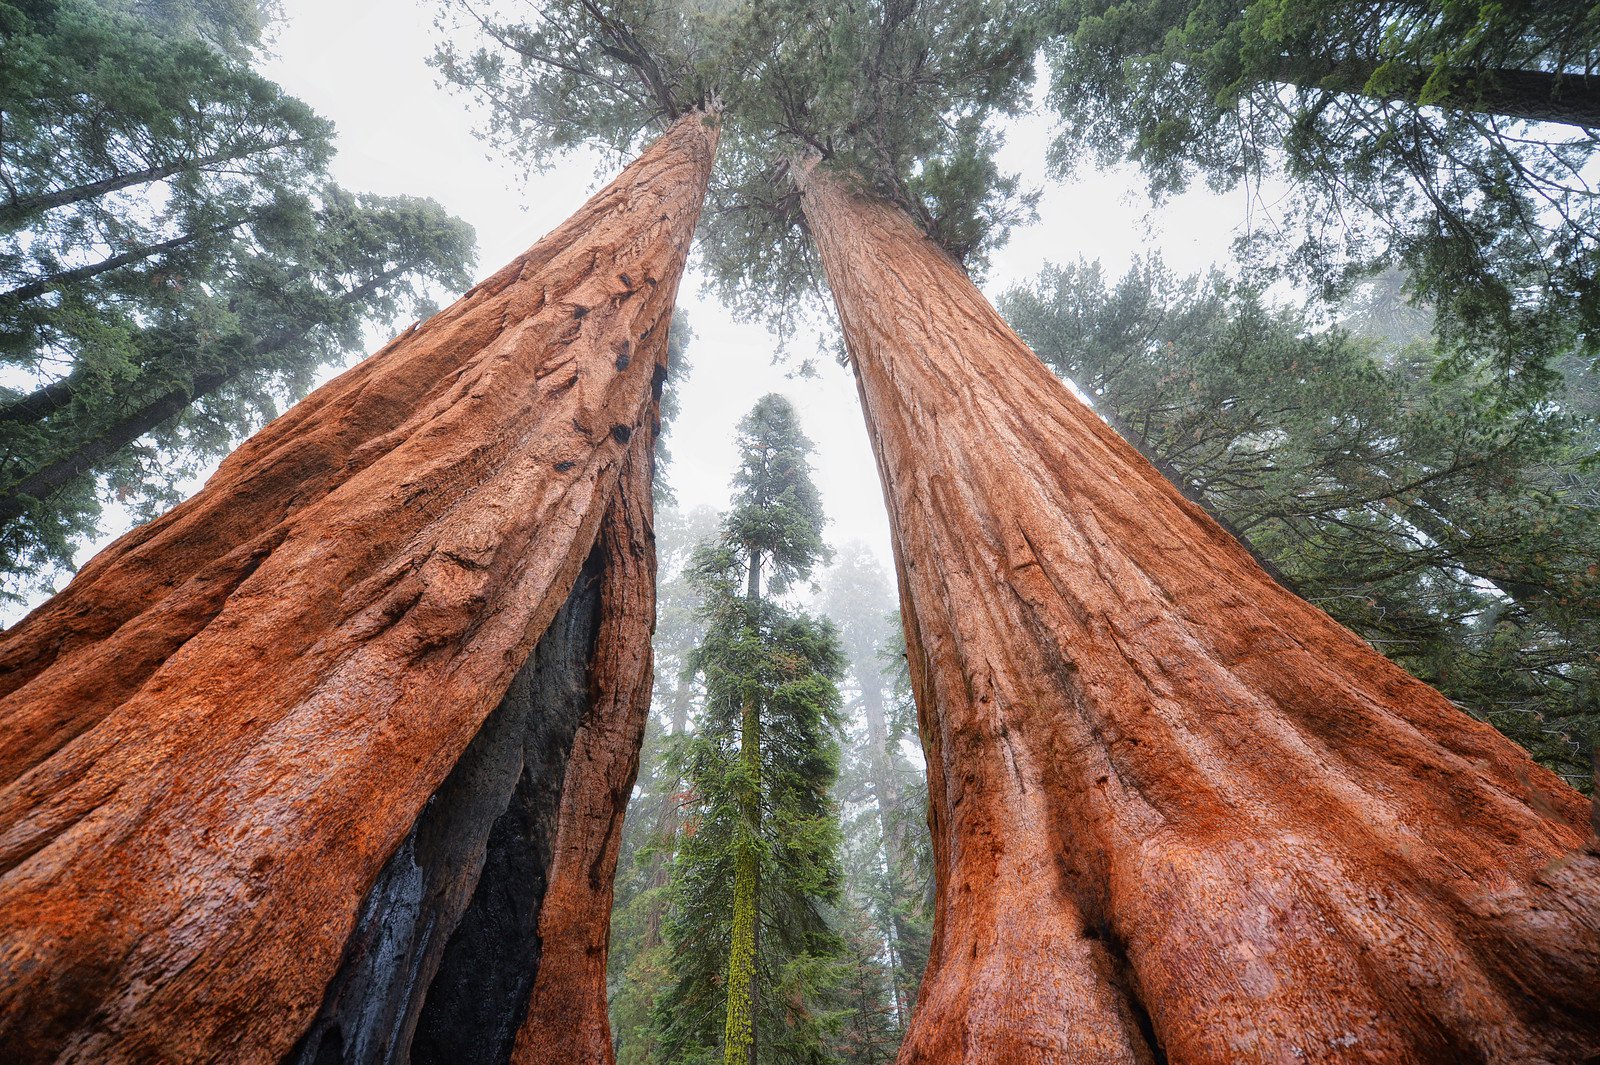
column 566, row 1020
column 215, row 739
column 475, row 859
column 1178, row 814
column 504, row 883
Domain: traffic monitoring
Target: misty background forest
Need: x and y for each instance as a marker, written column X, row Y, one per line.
column 581, row 677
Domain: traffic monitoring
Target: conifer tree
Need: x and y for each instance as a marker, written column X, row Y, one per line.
column 903, row 94
column 750, row 940
column 174, row 263
column 1453, row 138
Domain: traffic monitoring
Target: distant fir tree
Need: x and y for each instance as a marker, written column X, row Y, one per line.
column 174, row 263
column 754, row 960
column 1454, row 528
column 638, row 963
column 887, row 912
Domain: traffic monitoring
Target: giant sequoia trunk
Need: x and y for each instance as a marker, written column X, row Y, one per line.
column 218, row 743
column 1178, row 814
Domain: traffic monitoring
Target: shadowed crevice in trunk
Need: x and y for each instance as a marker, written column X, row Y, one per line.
column 1124, row 979
column 443, row 955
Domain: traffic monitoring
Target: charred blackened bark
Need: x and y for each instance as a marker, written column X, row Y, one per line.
column 566, row 1018
column 501, row 893
column 463, row 891
column 214, row 740
column 1178, row 813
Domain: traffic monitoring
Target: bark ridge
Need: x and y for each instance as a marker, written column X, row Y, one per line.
column 1178, row 813
column 214, row 739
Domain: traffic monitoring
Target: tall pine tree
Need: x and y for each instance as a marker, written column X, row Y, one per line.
column 756, row 875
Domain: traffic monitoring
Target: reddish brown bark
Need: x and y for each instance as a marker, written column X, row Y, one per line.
column 215, row 737
column 567, row 1019
column 1178, row 813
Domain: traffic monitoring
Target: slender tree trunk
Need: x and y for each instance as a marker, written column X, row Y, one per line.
column 18, row 209
column 1178, row 814
column 739, row 1036
column 46, row 399
column 1529, row 95
column 213, row 741
column 40, row 285
column 885, row 789
column 92, row 453
column 896, row 847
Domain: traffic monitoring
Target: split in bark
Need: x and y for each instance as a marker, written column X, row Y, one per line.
column 1177, row 812
column 213, row 741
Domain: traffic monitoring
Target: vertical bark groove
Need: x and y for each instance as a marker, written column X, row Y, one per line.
column 566, row 1019
column 415, row 908
column 214, row 739
column 1302, row 852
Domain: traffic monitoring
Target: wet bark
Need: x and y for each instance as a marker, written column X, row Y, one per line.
column 214, row 740
column 567, row 1018
column 502, row 890
column 1178, row 813
column 494, row 815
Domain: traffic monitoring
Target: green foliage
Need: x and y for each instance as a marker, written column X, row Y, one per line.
column 173, row 263
column 1453, row 528
column 775, row 526
column 1406, row 129
column 238, row 28
column 899, row 94
column 787, row 664
column 760, row 766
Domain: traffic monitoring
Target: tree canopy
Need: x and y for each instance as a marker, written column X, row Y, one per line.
column 902, row 94
column 175, row 262
column 1453, row 139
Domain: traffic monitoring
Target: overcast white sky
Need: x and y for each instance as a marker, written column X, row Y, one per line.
column 362, row 64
